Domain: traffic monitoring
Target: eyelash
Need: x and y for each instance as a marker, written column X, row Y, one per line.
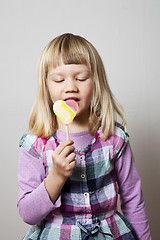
column 78, row 79
column 58, row 81
column 82, row 79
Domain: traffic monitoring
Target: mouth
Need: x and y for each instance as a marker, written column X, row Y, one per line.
column 72, row 98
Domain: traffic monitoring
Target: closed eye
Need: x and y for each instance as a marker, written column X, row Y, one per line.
column 58, row 80
column 81, row 79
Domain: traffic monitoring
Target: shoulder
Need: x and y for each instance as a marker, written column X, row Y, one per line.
column 120, row 134
column 117, row 141
column 120, row 139
column 36, row 145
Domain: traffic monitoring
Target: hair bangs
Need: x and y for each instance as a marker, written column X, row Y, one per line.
column 68, row 49
column 73, row 52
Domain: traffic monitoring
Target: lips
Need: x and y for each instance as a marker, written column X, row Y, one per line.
column 72, row 98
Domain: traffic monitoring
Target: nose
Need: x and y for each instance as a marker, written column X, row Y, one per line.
column 71, row 86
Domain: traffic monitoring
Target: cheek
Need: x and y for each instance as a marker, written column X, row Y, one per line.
column 52, row 93
column 89, row 98
column 90, row 93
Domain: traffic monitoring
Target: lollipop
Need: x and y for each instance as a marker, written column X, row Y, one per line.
column 65, row 111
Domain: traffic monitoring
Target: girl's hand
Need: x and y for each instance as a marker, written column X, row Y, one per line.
column 63, row 159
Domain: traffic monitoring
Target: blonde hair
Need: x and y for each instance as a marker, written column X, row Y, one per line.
column 104, row 108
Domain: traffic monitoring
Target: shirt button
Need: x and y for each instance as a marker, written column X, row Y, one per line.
column 83, row 175
column 86, row 195
column 86, row 199
column 88, row 211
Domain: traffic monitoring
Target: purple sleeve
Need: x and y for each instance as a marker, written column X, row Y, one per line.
column 132, row 203
column 34, row 203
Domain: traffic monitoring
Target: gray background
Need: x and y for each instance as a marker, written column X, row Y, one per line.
column 127, row 35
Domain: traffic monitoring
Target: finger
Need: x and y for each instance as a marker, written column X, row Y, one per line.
column 67, row 151
column 72, row 164
column 62, row 145
column 71, row 158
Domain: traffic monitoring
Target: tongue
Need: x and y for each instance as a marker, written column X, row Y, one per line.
column 72, row 104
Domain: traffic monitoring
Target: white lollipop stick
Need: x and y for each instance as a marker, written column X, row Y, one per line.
column 67, row 132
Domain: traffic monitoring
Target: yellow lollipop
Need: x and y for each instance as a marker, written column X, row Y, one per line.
column 65, row 111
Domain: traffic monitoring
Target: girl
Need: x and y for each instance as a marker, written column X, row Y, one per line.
column 68, row 189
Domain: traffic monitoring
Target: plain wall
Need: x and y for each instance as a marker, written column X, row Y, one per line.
column 127, row 35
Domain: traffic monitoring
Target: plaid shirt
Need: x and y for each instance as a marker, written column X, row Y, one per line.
column 88, row 200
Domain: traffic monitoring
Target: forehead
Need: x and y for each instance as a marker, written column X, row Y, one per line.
column 65, row 69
